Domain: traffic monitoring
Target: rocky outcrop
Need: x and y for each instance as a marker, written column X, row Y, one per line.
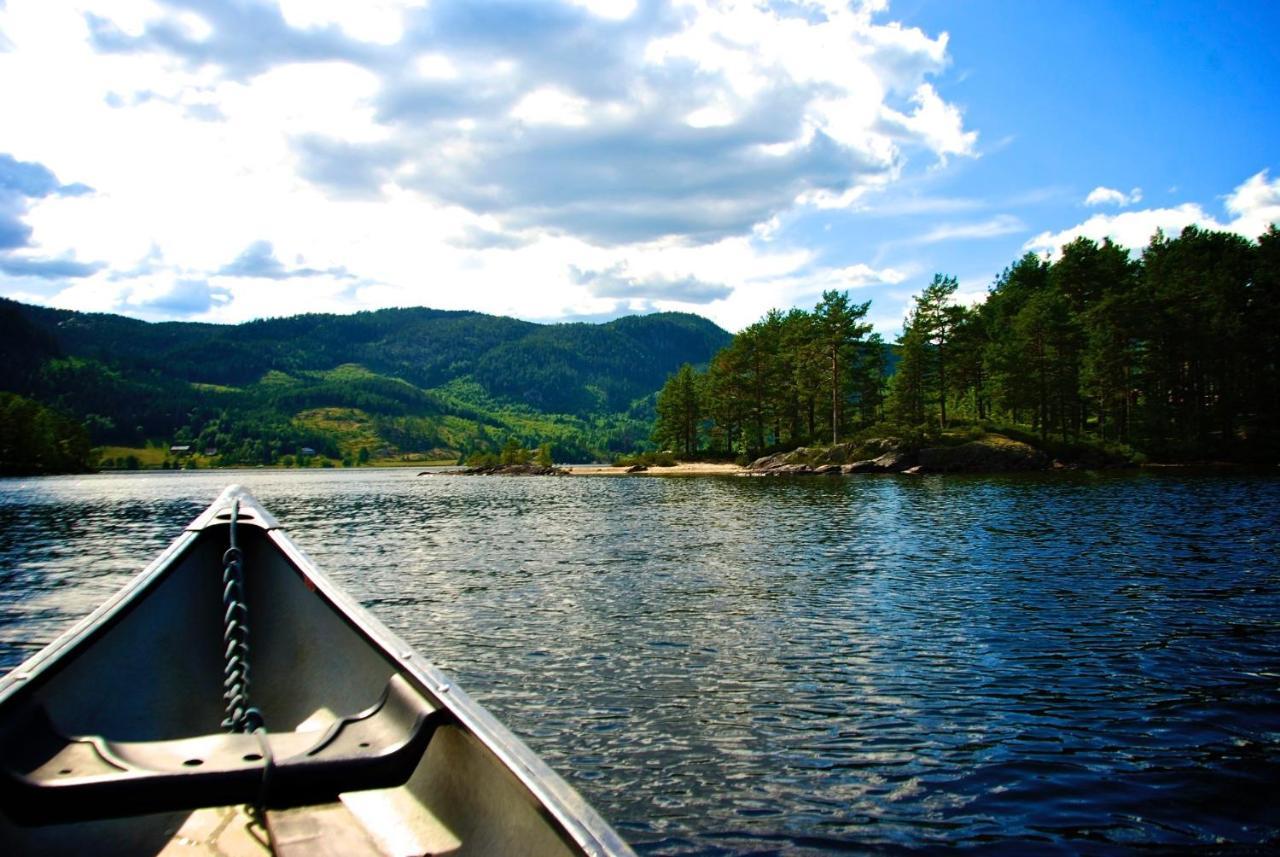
column 838, row 454
column 990, row 454
column 836, row 460
column 501, row 470
column 894, row 462
column 773, row 462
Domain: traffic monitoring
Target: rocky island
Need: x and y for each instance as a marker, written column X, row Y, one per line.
column 987, row 453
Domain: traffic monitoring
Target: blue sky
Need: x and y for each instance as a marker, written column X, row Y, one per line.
column 221, row 161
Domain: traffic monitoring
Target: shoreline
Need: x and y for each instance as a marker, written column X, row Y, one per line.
column 692, row 468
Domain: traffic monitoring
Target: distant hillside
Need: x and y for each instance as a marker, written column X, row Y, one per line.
column 398, row 380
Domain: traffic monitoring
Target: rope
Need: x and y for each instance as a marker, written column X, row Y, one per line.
column 241, row 716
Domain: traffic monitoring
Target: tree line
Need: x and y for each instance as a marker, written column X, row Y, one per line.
column 1174, row 353
column 789, row 378
column 35, row 439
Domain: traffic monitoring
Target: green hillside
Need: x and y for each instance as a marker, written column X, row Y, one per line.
column 398, row 383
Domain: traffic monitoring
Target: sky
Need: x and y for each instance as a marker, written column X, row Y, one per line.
column 583, row 160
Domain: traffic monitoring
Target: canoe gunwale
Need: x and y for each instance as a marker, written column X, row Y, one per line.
column 565, row 811
column 556, row 798
column 35, row 670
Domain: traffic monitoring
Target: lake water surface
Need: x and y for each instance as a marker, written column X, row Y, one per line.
column 1074, row 663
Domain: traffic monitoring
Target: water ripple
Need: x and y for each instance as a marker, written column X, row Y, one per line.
column 1075, row 664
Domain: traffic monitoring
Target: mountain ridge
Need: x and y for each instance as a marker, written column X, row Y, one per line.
column 474, row 376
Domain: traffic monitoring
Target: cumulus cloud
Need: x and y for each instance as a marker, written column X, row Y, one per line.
column 938, row 123
column 21, row 182
column 473, row 237
column 805, row 287
column 47, row 269
column 857, row 276
column 259, row 261
column 13, row 232
column 614, row 282
column 180, row 297
column 22, row 178
column 1131, row 229
column 615, row 122
column 1254, row 204
column 458, row 154
column 1109, row 196
column 244, row 39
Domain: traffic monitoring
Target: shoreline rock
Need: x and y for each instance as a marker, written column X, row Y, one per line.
column 500, row 470
column 992, row 453
column 838, row 460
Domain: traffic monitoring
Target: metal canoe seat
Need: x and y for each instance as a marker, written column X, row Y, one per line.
column 47, row 777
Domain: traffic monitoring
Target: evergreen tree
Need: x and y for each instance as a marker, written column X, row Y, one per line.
column 805, row 364
column 936, row 319
column 906, row 405
column 1013, row 390
column 969, row 373
column 869, row 382
column 839, row 328
column 1262, row 341
column 35, row 439
column 679, row 412
column 544, row 458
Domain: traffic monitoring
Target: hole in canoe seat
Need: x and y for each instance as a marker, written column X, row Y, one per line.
column 46, row 776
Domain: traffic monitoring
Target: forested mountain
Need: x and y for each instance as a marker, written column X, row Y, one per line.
column 396, row 380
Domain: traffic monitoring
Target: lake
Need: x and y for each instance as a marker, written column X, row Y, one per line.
column 1063, row 663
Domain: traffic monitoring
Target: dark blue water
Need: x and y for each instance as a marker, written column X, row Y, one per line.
column 1044, row 664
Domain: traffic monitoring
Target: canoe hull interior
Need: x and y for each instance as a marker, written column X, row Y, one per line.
column 111, row 738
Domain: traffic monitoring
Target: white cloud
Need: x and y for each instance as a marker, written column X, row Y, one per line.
column 274, row 157
column 615, row 10
column 437, row 66
column 377, row 21
column 1255, row 204
column 1001, row 224
column 936, row 122
column 616, row 282
column 1132, row 229
column 550, row 106
column 1110, row 196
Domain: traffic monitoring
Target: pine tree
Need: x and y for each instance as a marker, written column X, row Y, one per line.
column 936, row 318
column 909, row 380
column 679, row 412
column 839, row 328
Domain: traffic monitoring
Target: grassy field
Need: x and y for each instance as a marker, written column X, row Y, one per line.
column 148, row 457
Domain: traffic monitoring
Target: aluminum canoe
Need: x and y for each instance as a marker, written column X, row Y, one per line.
column 112, row 738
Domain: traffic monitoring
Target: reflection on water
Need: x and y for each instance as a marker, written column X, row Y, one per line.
column 1074, row 663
